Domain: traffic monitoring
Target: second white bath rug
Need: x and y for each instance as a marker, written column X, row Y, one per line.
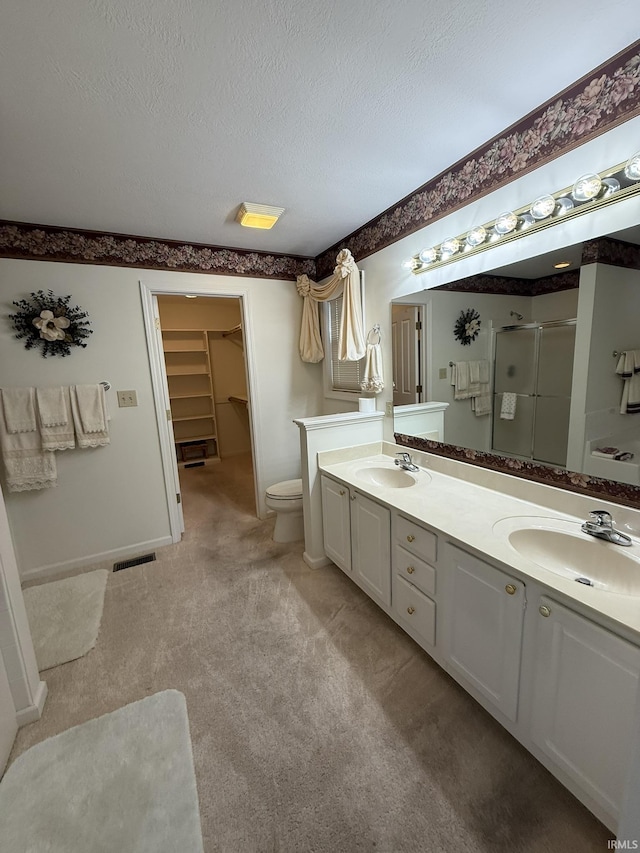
column 122, row 783
column 64, row 617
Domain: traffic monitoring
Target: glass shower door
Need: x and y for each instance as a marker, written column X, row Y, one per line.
column 514, row 373
column 553, row 390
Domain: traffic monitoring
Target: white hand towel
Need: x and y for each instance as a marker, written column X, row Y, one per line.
column 19, row 409
column 373, row 379
column 26, row 465
column 460, row 380
column 482, row 404
column 508, row 407
column 484, row 371
column 629, row 369
column 88, row 414
column 51, row 407
column 60, row 436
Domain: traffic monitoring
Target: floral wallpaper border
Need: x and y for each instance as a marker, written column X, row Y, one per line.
column 47, row 243
column 503, row 286
column 617, row 253
column 608, row 96
column 595, row 487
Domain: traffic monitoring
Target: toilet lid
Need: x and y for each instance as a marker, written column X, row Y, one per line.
column 286, row 489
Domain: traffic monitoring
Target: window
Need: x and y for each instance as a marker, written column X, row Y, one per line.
column 342, row 378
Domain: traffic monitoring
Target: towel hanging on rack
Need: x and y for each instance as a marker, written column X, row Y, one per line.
column 373, row 379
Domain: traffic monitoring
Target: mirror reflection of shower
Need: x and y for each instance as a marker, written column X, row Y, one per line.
column 533, row 368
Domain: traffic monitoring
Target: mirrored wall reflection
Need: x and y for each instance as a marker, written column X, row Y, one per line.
column 546, row 347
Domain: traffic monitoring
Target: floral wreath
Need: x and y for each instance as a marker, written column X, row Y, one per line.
column 467, row 327
column 49, row 321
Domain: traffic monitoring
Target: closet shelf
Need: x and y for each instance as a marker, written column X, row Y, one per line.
column 199, row 370
column 193, row 418
column 243, row 400
column 186, row 396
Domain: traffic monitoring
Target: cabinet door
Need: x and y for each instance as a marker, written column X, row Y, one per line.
column 8, row 724
column 335, row 523
column 586, row 679
column 483, row 619
column 371, row 546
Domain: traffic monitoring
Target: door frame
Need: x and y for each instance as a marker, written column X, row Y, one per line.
column 158, row 379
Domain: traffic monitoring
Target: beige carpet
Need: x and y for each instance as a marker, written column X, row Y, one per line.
column 124, row 782
column 317, row 725
column 64, row 617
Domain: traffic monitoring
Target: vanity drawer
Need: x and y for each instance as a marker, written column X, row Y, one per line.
column 414, row 570
column 415, row 609
column 416, row 539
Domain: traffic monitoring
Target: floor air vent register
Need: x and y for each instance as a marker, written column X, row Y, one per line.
column 134, row 561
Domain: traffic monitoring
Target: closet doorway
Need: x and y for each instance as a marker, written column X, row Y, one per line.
column 206, row 380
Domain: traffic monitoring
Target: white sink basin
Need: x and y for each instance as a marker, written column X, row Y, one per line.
column 560, row 546
column 388, row 478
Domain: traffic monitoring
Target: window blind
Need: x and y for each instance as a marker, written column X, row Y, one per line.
column 345, row 375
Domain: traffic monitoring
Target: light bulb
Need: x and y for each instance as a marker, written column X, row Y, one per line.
column 450, row 247
column 587, row 187
column 409, row 264
column 632, row 169
column 506, row 223
column 428, row 256
column 476, row 236
column 543, row 207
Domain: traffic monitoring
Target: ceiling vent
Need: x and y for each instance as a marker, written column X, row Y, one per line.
column 258, row 215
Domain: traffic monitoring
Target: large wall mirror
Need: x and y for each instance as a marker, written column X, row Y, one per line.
column 537, row 386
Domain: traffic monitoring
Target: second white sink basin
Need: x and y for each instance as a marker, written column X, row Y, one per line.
column 561, row 547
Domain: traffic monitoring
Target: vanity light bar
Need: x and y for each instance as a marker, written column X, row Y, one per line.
column 589, row 192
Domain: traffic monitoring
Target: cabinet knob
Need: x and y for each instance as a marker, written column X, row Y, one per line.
column 410, row 538
column 511, row 589
column 411, row 610
column 353, row 497
column 410, row 570
column 544, row 610
column 342, row 491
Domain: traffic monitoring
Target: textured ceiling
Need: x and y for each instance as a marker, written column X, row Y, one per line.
column 158, row 117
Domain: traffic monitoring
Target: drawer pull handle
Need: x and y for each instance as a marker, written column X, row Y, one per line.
column 410, row 570
column 410, row 538
column 544, row 610
column 411, row 610
column 342, row 492
column 511, row 588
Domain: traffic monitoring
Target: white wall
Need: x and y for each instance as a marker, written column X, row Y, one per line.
column 112, row 499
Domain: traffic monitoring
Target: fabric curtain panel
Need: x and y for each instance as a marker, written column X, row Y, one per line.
column 346, row 282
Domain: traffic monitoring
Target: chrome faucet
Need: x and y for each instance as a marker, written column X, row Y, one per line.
column 405, row 462
column 602, row 527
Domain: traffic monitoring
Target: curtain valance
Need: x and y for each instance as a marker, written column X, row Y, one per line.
column 346, row 282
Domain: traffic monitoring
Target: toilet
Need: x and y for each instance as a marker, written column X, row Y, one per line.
column 285, row 499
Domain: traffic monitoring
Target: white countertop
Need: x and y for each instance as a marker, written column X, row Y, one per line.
column 466, row 512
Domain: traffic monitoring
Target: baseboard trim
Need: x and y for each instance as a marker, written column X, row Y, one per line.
column 316, row 562
column 90, row 559
column 32, row 713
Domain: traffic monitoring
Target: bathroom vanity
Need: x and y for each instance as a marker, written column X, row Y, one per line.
column 486, row 583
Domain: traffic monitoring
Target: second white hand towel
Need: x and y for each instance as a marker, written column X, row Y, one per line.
column 508, row 407
column 89, row 410
column 19, row 409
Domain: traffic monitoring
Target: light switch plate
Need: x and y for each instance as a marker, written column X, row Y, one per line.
column 127, row 398
column 388, row 409
column 442, row 373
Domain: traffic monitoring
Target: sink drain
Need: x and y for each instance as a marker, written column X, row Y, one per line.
column 585, row 581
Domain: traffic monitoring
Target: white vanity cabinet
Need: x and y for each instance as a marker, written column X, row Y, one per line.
column 583, row 702
column 357, row 537
column 482, row 628
column 414, row 579
column 370, row 547
column 336, row 522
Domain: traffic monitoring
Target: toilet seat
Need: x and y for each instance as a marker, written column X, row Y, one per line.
column 287, row 490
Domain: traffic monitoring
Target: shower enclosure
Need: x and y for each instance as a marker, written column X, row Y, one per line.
column 534, row 361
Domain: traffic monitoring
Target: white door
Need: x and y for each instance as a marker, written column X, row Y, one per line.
column 167, row 406
column 371, row 547
column 336, row 525
column 583, row 715
column 8, row 724
column 483, row 619
column 406, row 328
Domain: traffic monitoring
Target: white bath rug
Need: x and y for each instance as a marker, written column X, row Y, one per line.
column 64, row 617
column 123, row 783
